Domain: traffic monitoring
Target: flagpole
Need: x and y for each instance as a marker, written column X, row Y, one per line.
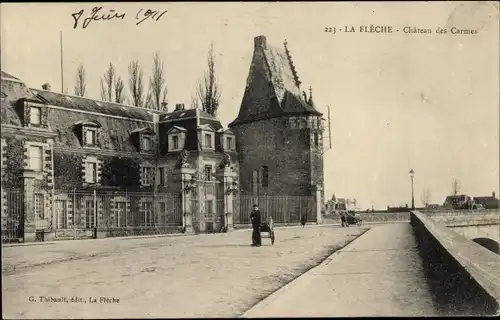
column 62, row 74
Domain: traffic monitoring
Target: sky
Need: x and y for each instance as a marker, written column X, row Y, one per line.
column 427, row 102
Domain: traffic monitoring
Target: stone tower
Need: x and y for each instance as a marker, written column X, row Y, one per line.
column 278, row 130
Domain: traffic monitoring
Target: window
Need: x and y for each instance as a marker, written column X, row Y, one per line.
column 209, row 206
column 161, row 173
column 147, row 176
column 147, row 208
column 229, row 143
column 163, row 212
column 175, row 142
column 120, row 214
column 91, row 172
column 316, row 140
column 91, row 137
column 208, row 173
column 265, row 176
column 61, row 216
column 35, row 115
column 38, row 206
column 208, row 140
column 146, row 143
column 36, row 158
column 89, row 214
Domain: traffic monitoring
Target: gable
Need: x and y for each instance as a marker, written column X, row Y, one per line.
column 206, row 127
column 144, row 130
column 176, row 129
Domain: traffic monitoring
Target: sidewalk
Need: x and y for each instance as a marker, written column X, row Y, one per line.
column 379, row 274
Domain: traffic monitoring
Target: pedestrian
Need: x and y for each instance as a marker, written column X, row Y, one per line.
column 255, row 216
column 303, row 220
column 343, row 219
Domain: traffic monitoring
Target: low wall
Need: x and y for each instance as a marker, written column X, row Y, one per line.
column 378, row 216
column 462, row 275
column 79, row 234
column 457, row 218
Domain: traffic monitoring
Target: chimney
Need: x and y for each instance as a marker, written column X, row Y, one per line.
column 46, row 86
column 164, row 106
column 493, row 194
column 179, row 106
column 260, row 41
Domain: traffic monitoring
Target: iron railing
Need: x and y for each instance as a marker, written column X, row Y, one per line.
column 283, row 209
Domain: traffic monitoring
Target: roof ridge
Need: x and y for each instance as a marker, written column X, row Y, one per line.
column 292, row 66
column 97, row 100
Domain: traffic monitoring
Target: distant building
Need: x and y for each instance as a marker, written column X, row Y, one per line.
column 488, row 202
column 458, row 202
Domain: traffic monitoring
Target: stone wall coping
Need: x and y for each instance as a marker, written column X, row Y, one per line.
column 455, row 213
column 482, row 264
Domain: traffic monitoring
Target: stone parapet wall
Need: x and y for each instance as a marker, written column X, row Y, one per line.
column 466, row 271
column 465, row 217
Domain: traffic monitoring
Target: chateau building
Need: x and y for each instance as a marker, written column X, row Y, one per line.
column 279, row 132
column 64, row 150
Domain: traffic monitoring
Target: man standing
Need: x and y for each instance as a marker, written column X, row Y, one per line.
column 256, row 221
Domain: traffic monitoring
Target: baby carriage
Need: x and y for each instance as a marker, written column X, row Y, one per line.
column 268, row 227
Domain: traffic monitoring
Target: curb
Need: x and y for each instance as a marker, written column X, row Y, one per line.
column 27, row 244
column 297, row 281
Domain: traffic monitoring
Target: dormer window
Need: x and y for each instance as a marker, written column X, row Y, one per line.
column 91, row 136
column 175, row 142
column 143, row 139
column 89, row 130
column 208, row 140
column 146, row 143
column 227, row 140
column 35, row 115
column 176, row 138
column 229, row 143
column 207, row 136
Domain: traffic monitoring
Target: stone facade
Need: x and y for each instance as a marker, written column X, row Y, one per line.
column 279, row 132
column 73, row 157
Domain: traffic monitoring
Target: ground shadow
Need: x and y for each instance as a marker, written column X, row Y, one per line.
column 454, row 292
column 229, row 245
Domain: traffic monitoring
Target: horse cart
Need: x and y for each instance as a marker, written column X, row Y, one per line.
column 267, row 230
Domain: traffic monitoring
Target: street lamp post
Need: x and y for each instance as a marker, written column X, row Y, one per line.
column 412, row 173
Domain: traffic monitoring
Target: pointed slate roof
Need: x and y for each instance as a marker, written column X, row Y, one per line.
column 273, row 86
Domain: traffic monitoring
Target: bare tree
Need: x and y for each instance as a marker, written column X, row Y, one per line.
column 119, row 86
column 81, row 84
column 157, row 88
column 107, row 83
column 194, row 102
column 455, row 187
column 208, row 91
column 426, row 197
column 136, row 86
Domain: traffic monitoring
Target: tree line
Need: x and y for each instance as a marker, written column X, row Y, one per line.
column 113, row 87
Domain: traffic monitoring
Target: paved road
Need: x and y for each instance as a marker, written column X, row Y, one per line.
column 200, row 276
column 379, row 274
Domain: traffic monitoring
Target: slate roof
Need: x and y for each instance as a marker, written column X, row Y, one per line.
column 86, row 104
column 187, row 119
column 274, row 66
column 8, row 76
column 186, row 114
column 12, row 89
